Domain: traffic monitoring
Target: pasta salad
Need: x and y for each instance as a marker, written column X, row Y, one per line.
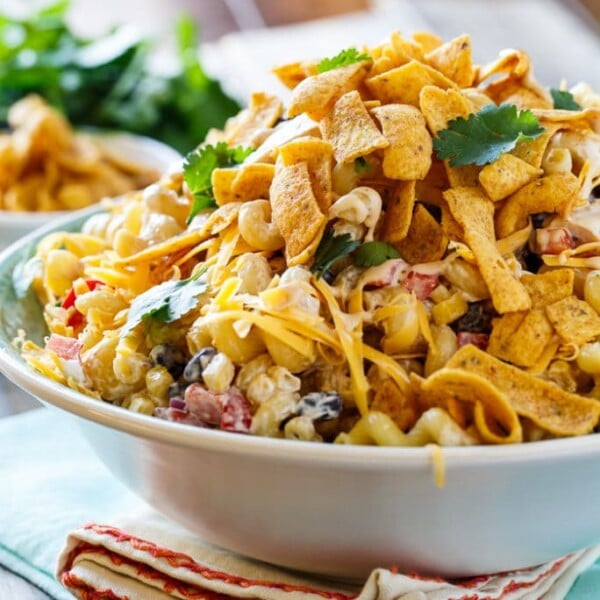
column 403, row 254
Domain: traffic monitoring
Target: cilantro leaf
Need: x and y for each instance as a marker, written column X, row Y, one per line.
column 198, row 166
column 166, row 302
column 343, row 59
column 484, row 136
column 371, row 254
column 331, row 249
column 564, row 100
column 361, row 165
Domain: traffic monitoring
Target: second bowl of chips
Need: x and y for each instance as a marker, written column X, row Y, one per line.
column 47, row 169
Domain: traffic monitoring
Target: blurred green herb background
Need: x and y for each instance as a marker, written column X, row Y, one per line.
column 107, row 82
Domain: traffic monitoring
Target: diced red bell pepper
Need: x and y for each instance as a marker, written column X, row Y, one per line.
column 230, row 411
column 421, row 284
column 65, row 347
column 203, row 404
column 76, row 319
column 178, row 415
column 236, row 414
column 70, row 298
column 480, row 340
column 553, row 240
column 387, row 273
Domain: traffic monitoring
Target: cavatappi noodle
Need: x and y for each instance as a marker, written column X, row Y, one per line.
column 479, row 326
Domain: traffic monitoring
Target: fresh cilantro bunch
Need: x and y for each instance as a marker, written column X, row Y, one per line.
column 335, row 247
column 198, row 166
column 484, row 136
column 106, row 82
column 564, row 100
column 343, row 59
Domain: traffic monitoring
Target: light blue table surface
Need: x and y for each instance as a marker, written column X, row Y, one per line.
column 52, row 482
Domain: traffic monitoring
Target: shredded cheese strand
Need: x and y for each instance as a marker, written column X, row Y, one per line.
column 389, row 366
column 269, row 324
column 352, row 347
column 210, row 244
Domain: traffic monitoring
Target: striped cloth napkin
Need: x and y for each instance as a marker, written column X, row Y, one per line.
column 149, row 558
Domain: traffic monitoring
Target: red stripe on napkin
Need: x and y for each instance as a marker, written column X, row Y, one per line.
column 180, row 561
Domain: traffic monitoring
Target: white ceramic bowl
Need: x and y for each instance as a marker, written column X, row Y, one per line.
column 335, row 510
column 126, row 146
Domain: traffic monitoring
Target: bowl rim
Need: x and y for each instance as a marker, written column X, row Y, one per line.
column 14, row 367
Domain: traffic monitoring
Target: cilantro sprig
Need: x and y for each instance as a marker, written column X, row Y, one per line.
column 166, row 302
column 331, row 249
column 371, row 254
column 484, row 136
column 564, row 100
column 361, row 165
column 335, row 247
column 198, row 166
column 342, row 59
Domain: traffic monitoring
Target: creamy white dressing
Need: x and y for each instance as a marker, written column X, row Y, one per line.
column 586, row 218
column 74, row 369
column 283, row 133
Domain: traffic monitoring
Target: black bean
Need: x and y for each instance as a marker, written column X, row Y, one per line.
column 170, row 357
column 478, row 319
column 530, row 261
column 196, row 365
column 538, row 220
column 320, row 406
column 329, row 276
column 176, row 390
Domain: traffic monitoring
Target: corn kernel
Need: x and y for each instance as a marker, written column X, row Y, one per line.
column 449, row 310
column 141, row 404
column 440, row 293
column 158, row 380
column 219, row 373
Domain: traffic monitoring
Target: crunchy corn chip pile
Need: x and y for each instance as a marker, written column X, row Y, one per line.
column 46, row 166
column 405, row 254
